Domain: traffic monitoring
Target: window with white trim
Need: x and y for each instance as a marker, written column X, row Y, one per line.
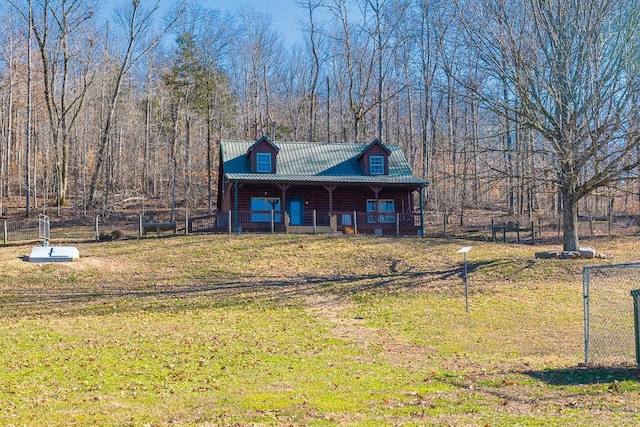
column 376, row 165
column 263, row 163
column 386, row 209
column 261, row 208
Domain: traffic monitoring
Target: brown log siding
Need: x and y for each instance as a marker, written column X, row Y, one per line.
column 346, row 198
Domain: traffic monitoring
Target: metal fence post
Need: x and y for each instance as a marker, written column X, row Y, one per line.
column 493, row 231
column 635, row 294
column 445, row 218
column 141, row 227
column 533, row 234
column 585, row 293
column 230, row 227
column 96, row 230
column 6, row 235
column 540, row 228
column 397, row 225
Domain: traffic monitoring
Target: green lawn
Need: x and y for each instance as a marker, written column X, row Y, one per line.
column 305, row 331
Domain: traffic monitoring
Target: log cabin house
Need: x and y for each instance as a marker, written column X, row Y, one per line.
column 317, row 187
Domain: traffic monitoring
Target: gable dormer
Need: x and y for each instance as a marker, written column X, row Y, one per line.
column 374, row 158
column 263, row 156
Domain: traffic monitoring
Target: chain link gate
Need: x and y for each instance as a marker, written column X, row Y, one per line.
column 609, row 335
column 44, row 229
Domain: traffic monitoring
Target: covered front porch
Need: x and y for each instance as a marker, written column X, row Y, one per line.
column 321, row 208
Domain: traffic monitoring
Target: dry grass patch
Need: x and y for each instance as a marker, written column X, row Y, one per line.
column 302, row 330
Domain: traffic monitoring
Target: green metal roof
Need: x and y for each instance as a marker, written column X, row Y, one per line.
column 315, row 162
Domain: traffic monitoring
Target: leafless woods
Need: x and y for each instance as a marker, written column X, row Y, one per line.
column 522, row 106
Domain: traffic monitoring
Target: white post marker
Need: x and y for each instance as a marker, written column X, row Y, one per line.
column 464, row 251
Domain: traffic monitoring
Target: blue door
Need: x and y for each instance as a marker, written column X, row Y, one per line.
column 295, row 208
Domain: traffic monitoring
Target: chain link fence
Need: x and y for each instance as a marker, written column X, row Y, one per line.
column 609, row 314
column 16, row 231
column 19, row 231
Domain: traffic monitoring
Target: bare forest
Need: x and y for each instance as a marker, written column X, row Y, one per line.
column 522, row 107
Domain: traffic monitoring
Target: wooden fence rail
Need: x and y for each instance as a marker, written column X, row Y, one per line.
column 512, row 227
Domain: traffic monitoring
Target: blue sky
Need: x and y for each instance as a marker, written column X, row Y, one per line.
column 286, row 14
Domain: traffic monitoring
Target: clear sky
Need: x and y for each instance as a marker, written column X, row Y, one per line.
column 286, row 14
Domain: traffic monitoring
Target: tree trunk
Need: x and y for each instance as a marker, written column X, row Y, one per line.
column 209, row 160
column 570, row 222
column 174, row 111
column 27, row 178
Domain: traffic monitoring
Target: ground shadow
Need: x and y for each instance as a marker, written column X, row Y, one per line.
column 586, row 376
column 220, row 288
column 472, row 267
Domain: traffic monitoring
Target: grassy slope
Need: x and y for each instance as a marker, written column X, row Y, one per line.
column 302, row 330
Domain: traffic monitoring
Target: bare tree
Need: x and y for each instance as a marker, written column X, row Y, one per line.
column 355, row 51
column 66, row 70
column 10, row 52
column 136, row 24
column 27, row 177
column 384, row 29
column 315, row 42
column 258, row 48
column 573, row 67
column 215, row 41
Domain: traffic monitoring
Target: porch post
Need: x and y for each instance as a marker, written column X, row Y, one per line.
column 376, row 191
column 315, row 222
column 283, row 205
column 355, row 222
column 375, row 209
column 235, row 205
column 330, row 189
column 273, row 227
column 331, row 201
column 421, row 211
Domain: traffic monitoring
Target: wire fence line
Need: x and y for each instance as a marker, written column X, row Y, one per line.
column 27, row 230
column 548, row 229
column 609, row 329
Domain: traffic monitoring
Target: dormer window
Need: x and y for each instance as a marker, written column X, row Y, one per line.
column 376, row 165
column 263, row 163
column 374, row 158
column 263, row 155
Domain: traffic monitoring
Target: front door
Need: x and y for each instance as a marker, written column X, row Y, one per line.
column 295, row 208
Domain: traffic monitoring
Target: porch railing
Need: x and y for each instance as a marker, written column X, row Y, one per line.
column 312, row 221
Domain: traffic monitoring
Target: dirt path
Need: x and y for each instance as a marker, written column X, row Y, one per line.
column 339, row 312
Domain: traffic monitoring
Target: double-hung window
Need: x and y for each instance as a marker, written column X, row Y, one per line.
column 376, row 165
column 386, row 211
column 263, row 163
column 262, row 207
